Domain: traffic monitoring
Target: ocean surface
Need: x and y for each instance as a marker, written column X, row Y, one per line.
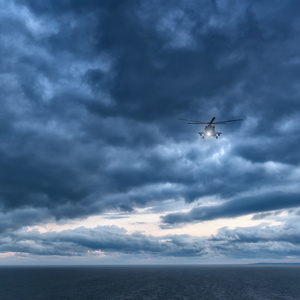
column 151, row 282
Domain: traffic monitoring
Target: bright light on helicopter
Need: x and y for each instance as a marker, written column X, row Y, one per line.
column 209, row 130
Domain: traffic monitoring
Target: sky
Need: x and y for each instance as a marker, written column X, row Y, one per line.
column 97, row 168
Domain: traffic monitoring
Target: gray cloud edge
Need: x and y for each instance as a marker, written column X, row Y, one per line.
column 237, row 207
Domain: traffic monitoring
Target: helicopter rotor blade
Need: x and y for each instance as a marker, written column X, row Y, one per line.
column 188, row 120
column 211, row 122
column 224, row 122
column 198, row 123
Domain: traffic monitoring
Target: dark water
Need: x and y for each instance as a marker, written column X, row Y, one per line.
column 154, row 282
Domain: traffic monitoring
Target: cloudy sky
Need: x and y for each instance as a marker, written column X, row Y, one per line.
column 97, row 168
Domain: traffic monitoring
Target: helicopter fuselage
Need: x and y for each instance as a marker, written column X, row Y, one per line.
column 209, row 131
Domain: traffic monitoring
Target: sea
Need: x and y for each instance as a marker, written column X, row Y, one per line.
column 150, row 282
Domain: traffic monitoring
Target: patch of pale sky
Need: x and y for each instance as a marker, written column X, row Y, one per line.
column 97, row 253
column 148, row 224
column 7, row 254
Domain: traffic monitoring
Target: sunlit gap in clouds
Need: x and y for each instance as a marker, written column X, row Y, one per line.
column 147, row 222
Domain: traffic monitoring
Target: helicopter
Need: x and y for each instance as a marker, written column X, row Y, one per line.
column 209, row 130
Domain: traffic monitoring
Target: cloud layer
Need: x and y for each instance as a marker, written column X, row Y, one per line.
column 92, row 92
column 259, row 242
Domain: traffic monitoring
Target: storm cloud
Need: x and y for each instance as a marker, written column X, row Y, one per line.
column 91, row 94
column 236, row 207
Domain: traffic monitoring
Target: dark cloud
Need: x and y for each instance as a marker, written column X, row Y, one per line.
column 263, row 240
column 281, row 150
column 264, row 215
column 92, row 92
column 236, row 207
